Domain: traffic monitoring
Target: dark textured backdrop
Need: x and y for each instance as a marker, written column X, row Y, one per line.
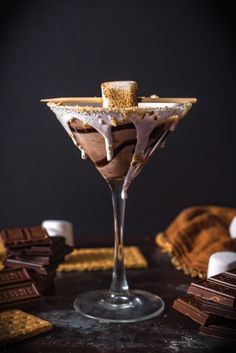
column 66, row 48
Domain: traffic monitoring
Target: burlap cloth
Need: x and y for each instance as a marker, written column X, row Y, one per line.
column 194, row 235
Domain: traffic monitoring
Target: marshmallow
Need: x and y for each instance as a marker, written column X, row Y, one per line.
column 59, row 227
column 119, row 94
column 232, row 228
column 220, row 262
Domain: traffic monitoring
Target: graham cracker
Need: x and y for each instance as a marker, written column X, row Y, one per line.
column 93, row 259
column 16, row 325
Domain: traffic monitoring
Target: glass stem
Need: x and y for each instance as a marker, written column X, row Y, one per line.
column 119, row 285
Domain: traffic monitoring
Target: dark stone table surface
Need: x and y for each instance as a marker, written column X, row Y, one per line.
column 72, row 333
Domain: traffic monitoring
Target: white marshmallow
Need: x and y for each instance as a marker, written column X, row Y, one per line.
column 60, row 227
column 232, row 228
column 220, row 262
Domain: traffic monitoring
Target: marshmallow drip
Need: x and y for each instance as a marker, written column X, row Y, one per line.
column 130, row 131
column 78, row 120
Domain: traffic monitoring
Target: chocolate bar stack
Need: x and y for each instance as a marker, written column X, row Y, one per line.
column 16, row 285
column 37, row 254
column 212, row 304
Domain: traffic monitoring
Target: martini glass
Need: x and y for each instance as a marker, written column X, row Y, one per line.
column 119, row 142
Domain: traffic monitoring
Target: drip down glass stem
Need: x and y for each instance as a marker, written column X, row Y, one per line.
column 119, row 290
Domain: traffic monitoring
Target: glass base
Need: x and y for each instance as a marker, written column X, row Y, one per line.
column 102, row 305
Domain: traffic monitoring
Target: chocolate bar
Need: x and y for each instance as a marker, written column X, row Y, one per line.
column 44, row 260
column 18, row 292
column 13, row 275
column 227, row 331
column 41, row 260
column 192, row 307
column 42, row 282
column 23, row 237
column 43, row 270
column 210, row 290
column 211, row 307
column 231, row 273
column 224, row 279
column 57, row 243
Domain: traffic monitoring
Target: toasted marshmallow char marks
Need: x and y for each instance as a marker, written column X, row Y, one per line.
column 119, row 94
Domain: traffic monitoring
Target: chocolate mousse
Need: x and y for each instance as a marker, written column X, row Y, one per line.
column 124, row 142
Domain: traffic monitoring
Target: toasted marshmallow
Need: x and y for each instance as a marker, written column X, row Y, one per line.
column 119, row 94
column 221, row 261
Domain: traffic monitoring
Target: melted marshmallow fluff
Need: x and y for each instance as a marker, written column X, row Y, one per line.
column 127, row 137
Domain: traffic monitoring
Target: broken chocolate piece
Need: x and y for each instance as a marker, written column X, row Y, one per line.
column 211, row 307
column 42, row 282
column 222, row 294
column 192, row 307
column 43, row 270
column 23, row 237
column 44, row 259
column 57, row 243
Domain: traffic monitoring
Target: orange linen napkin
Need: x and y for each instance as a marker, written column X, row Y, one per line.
column 195, row 234
column 2, row 253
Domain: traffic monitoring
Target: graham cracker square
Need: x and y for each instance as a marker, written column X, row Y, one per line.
column 93, row 259
column 16, row 325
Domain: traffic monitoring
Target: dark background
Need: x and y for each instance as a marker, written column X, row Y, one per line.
column 66, row 48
